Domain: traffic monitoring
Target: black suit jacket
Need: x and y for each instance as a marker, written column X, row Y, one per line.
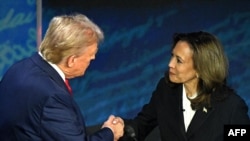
column 165, row 111
column 35, row 105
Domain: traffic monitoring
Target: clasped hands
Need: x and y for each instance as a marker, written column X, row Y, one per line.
column 116, row 124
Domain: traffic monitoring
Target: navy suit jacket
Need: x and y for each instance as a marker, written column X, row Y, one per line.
column 35, row 105
column 165, row 111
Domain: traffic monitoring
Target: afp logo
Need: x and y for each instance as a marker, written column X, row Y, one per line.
column 239, row 132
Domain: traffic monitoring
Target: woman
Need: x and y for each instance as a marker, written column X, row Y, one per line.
column 192, row 102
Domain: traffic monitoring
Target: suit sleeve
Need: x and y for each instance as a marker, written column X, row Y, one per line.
column 61, row 120
column 146, row 120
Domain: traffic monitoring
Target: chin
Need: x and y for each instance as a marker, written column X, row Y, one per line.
column 172, row 79
column 82, row 74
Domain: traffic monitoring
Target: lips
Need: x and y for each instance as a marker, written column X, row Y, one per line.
column 171, row 73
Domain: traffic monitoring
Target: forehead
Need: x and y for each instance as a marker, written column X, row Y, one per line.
column 182, row 50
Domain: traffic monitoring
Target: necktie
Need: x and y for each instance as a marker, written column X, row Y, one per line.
column 68, row 86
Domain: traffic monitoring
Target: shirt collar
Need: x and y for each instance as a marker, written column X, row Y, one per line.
column 59, row 71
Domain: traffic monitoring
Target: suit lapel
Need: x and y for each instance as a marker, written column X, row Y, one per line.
column 177, row 121
column 199, row 118
column 181, row 119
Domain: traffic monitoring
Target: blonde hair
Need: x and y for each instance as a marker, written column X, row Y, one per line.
column 67, row 35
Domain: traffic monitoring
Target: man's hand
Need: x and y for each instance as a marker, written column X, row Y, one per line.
column 116, row 124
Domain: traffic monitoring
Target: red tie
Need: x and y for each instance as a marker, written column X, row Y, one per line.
column 68, row 86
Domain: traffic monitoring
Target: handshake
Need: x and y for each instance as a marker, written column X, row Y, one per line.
column 116, row 124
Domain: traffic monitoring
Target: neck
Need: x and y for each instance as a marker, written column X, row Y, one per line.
column 190, row 93
column 191, row 87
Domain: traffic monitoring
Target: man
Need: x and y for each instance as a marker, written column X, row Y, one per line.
column 35, row 99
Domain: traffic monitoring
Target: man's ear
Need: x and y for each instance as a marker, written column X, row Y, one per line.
column 70, row 62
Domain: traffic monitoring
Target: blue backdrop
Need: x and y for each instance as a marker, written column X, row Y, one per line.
column 136, row 49
column 17, row 31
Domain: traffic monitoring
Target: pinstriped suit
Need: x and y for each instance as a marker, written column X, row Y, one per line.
column 35, row 105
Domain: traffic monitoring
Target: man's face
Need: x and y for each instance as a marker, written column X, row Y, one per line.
column 82, row 61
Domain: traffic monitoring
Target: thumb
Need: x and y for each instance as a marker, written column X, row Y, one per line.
column 111, row 118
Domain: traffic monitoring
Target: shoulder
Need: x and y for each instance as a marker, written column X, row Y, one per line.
column 226, row 98
column 167, row 90
column 164, row 83
column 226, row 93
column 230, row 106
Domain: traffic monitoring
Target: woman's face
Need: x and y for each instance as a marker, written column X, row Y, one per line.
column 181, row 68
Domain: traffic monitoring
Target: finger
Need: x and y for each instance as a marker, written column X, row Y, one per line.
column 111, row 118
column 120, row 120
column 115, row 120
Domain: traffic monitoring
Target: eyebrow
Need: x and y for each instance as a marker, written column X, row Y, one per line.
column 178, row 57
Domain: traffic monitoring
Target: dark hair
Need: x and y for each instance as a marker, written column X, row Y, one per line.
column 210, row 62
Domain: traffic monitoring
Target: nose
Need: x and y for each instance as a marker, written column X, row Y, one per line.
column 171, row 63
